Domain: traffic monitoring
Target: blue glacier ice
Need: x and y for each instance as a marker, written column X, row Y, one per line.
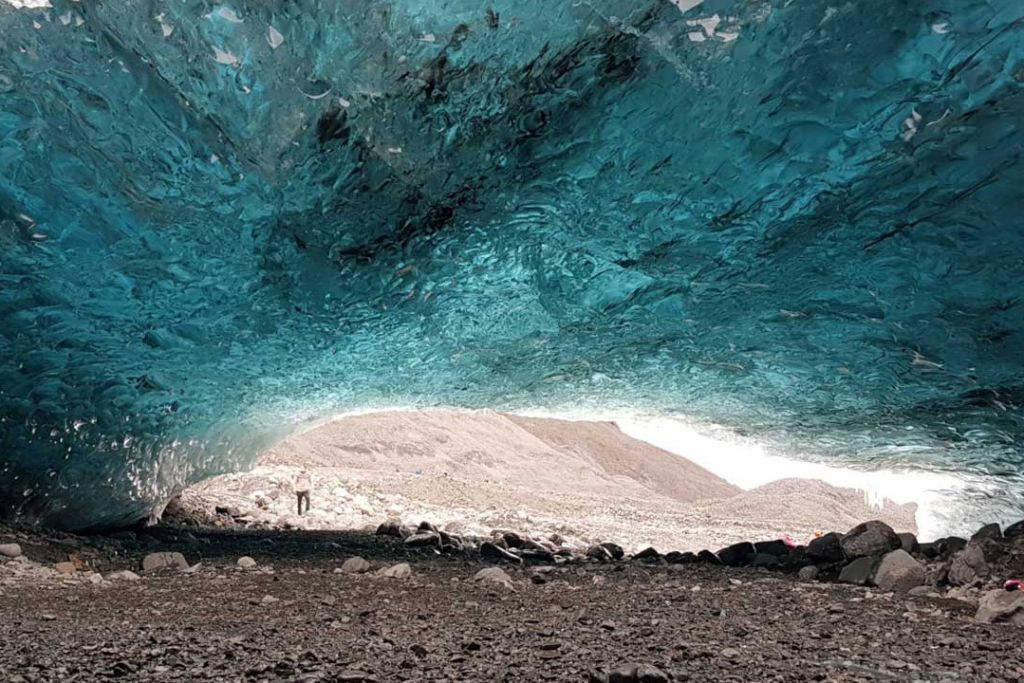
column 220, row 220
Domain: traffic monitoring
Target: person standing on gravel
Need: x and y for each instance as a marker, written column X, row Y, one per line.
column 302, row 487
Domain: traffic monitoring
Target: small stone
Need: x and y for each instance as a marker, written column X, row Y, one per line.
column 355, row 565
column 730, row 653
column 268, row 600
column 398, row 571
column 625, row 673
column 124, row 575
column 393, row 529
column 246, row 562
column 95, row 579
column 495, row 577
column 645, row 673
column 808, row 573
column 65, row 567
column 599, row 553
column 155, row 561
column 10, row 550
column 614, row 550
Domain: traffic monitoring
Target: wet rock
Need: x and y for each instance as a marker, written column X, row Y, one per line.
column 496, row 578
column 246, row 562
column 355, row 565
column 647, row 555
column 398, row 571
column 492, row 552
column 825, row 549
column 155, row 561
column 1000, row 606
column 859, row 572
column 10, row 550
column 425, row 527
column 908, row 542
column 989, row 531
column 900, row 572
column 424, row 539
column 809, row 573
column 65, row 567
column 738, row 554
column 708, row 557
column 1015, row 530
column 676, row 557
column 870, row 539
column 394, row 530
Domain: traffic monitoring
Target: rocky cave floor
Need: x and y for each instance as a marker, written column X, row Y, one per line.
column 294, row 615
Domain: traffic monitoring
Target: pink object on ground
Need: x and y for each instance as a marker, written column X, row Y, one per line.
column 1014, row 585
column 788, row 540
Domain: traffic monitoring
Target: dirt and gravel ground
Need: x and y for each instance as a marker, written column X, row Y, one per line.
column 292, row 618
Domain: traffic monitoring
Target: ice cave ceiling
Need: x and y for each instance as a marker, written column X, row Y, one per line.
column 219, row 219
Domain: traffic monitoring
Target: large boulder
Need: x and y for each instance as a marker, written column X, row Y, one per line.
column 909, row 543
column 870, row 539
column 708, row 557
column 738, row 555
column 394, row 529
column 859, row 572
column 900, row 572
column 778, row 548
column 1001, row 606
column 968, row 566
column 946, row 547
column 989, row 531
column 1015, row 530
column 825, row 549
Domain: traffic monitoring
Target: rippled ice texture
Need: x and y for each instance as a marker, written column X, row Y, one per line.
column 221, row 219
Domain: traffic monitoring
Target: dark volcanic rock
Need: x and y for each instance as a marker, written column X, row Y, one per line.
column 1001, row 606
column 778, row 548
column 424, row 539
column 676, row 557
column 427, row 526
column 766, row 561
column 599, row 553
column 708, row 557
column 648, row 555
column 909, row 543
column 826, row 549
column 490, row 551
column 797, row 557
column 945, row 547
column 1015, row 530
column 968, row 566
column 738, row 555
column 511, row 539
column 393, row 529
column 870, row 539
column 859, row 572
column 989, row 531
column 614, row 550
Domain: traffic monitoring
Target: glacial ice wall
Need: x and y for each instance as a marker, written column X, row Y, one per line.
column 221, row 219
